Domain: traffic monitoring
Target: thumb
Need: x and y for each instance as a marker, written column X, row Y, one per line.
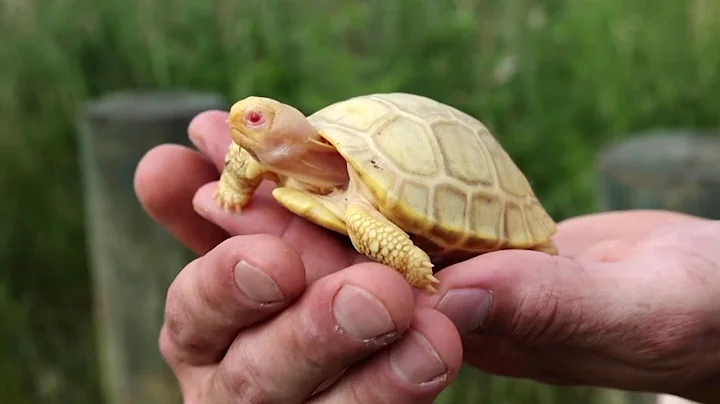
column 532, row 297
column 558, row 320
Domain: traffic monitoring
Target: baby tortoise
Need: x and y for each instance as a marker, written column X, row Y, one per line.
column 403, row 176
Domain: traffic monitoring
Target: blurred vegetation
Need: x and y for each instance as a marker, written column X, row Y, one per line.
column 554, row 79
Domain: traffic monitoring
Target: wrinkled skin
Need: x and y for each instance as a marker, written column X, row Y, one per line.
column 631, row 302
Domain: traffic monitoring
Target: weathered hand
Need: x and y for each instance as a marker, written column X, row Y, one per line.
column 632, row 303
column 240, row 326
column 277, row 308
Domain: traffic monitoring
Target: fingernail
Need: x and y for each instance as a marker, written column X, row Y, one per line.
column 361, row 314
column 200, row 207
column 196, row 139
column 415, row 360
column 256, row 284
column 467, row 308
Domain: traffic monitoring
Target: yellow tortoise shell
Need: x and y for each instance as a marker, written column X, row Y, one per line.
column 436, row 172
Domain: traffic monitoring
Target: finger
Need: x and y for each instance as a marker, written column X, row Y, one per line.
column 575, row 235
column 543, row 317
column 165, row 182
column 209, row 132
column 322, row 251
column 241, row 281
column 578, row 321
column 509, row 303
column 529, row 296
column 415, row 370
column 340, row 320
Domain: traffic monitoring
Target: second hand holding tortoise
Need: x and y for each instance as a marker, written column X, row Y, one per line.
column 403, row 176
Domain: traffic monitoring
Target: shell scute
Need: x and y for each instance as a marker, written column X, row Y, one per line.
column 486, row 215
column 418, row 160
column 360, row 116
column 450, row 206
column 417, row 196
column 460, row 147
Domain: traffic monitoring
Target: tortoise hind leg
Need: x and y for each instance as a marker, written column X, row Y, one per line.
column 376, row 237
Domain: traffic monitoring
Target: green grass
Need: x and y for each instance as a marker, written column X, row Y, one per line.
column 555, row 80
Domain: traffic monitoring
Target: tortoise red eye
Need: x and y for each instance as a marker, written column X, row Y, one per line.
column 254, row 117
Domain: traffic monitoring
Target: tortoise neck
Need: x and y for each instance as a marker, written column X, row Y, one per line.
column 319, row 166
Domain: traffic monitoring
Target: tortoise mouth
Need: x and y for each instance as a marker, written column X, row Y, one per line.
column 246, row 139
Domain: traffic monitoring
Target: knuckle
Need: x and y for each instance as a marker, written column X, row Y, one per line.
column 546, row 315
column 214, row 287
column 173, row 318
column 362, row 391
column 357, row 393
column 168, row 350
column 175, row 322
column 317, row 348
column 243, row 383
column 330, row 381
column 236, row 382
column 182, row 340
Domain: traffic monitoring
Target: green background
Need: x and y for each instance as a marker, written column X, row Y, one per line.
column 554, row 80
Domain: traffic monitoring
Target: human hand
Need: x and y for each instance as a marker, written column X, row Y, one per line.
column 273, row 318
column 631, row 303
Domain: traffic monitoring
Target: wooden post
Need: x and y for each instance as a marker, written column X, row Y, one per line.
column 676, row 171
column 133, row 261
column 671, row 170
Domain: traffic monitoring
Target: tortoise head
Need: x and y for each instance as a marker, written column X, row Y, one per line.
column 269, row 130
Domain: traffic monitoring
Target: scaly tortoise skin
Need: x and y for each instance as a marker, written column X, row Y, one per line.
column 404, row 176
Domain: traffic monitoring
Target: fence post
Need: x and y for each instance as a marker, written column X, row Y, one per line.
column 132, row 260
column 672, row 170
column 676, row 171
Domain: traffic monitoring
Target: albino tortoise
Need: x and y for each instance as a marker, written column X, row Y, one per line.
column 404, row 176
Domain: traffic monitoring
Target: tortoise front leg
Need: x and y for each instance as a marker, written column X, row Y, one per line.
column 378, row 238
column 239, row 180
